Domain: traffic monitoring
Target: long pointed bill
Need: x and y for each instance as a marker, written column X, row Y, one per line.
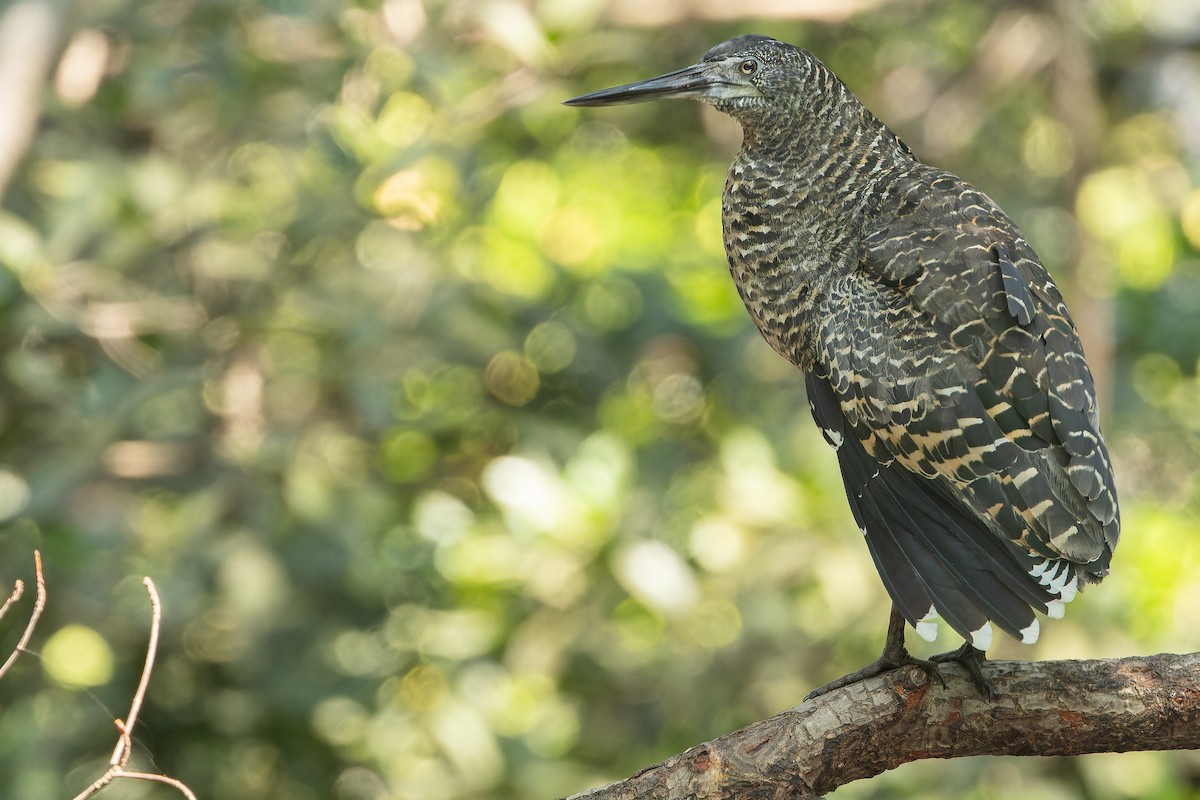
column 696, row 81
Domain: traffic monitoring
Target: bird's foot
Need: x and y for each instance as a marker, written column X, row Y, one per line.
column 890, row 660
column 894, row 656
column 971, row 658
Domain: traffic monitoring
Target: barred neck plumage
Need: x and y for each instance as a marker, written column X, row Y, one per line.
column 808, row 174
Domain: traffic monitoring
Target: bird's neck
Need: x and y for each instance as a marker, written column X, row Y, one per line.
column 796, row 201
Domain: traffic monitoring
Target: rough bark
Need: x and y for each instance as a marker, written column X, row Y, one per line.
column 1048, row 708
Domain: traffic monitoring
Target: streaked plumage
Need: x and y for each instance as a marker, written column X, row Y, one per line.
column 940, row 359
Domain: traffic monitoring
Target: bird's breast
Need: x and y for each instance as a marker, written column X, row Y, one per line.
column 783, row 249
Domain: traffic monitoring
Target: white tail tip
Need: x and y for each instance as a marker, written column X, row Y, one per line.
column 927, row 625
column 982, row 638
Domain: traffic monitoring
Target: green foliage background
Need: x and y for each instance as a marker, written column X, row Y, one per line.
column 430, row 407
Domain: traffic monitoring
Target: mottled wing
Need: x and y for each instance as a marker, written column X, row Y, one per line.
column 933, row 556
column 952, row 357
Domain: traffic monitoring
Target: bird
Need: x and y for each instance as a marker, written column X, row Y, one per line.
column 939, row 358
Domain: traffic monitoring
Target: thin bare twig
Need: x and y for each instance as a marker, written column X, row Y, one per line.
column 124, row 749
column 38, row 606
column 156, row 778
column 18, row 590
column 120, row 756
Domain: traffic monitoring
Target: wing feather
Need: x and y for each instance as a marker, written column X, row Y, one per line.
column 976, row 288
column 953, row 378
column 931, row 552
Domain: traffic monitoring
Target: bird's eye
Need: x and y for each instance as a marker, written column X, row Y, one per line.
column 749, row 66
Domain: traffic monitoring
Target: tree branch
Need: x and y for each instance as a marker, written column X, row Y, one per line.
column 1048, row 708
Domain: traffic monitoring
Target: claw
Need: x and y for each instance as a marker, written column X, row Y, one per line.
column 894, row 656
column 971, row 659
column 885, row 663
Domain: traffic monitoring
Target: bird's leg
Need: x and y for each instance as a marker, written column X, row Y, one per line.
column 971, row 658
column 895, row 655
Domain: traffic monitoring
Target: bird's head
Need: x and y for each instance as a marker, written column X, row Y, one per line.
column 738, row 77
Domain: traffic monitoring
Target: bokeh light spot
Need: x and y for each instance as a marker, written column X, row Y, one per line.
column 14, row 494
column 511, row 378
column 417, row 196
column 613, row 304
column 527, row 194
column 601, row 469
column 442, row 518
column 551, row 347
column 407, row 456
column 527, row 490
column 679, row 398
column 359, row 653
column 1113, row 200
column 339, row 721
column 507, row 264
column 78, row 656
column 555, row 729
column 1189, row 218
column 1146, row 254
column 656, row 575
column 458, row 635
column 423, row 688
column 1047, row 149
column 404, row 118
column 637, row 628
column 717, row 544
column 569, row 236
column 715, row 623
column 708, row 229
